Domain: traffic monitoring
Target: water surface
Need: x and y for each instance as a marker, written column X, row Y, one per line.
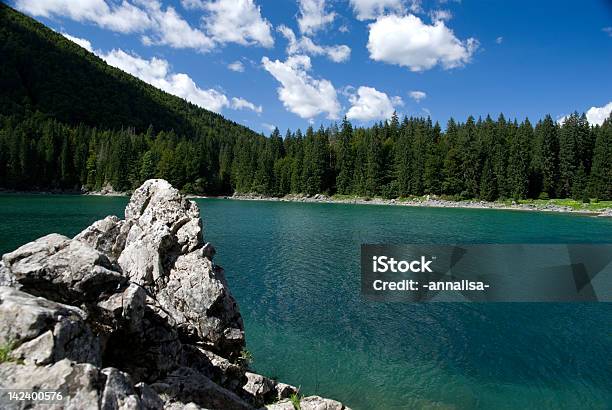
column 294, row 269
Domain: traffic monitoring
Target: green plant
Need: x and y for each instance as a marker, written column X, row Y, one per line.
column 5, row 353
column 295, row 399
column 246, row 358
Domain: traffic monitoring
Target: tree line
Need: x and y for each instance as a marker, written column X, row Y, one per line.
column 485, row 158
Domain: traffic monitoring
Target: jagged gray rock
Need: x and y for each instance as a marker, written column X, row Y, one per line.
column 44, row 331
column 130, row 314
column 165, row 253
column 309, row 403
column 78, row 382
column 187, row 385
column 118, row 392
column 59, row 268
column 106, row 235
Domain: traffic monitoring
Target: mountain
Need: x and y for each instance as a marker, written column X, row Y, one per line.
column 41, row 70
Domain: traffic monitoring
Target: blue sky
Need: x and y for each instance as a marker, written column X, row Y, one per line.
column 291, row 63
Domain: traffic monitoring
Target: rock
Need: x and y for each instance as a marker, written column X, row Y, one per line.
column 153, row 309
column 164, row 252
column 153, row 352
column 284, row 391
column 186, row 385
column 208, row 251
column 44, row 331
column 213, row 366
column 181, row 406
column 197, row 297
column 106, row 235
column 79, row 383
column 62, row 269
column 309, row 403
column 260, row 388
column 6, row 279
column 148, row 397
column 126, row 307
column 157, row 202
column 118, row 392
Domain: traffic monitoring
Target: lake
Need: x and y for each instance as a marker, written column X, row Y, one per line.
column 294, row 269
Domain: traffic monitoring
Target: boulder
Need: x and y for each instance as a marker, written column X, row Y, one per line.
column 62, row 269
column 148, row 397
column 197, row 297
column 129, row 301
column 78, row 383
column 309, row 403
column 43, row 331
column 164, row 252
column 186, row 385
column 118, row 392
column 106, row 235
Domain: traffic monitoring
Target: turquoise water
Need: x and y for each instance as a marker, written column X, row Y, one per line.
column 294, row 269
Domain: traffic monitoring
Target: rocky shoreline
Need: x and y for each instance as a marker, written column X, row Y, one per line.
column 427, row 202
column 131, row 314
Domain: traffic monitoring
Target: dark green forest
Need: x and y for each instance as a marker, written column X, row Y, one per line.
column 68, row 120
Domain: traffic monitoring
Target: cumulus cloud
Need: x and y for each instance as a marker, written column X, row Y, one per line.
column 237, row 21
column 236, row 66
column 156, row 72
column 417, row 95
column 370, row 104
column 242, row 104
column 121, row 17
column 370, row 9
column 172, row 30
column 158, row 25
column 304, row 45
column 597, row 115
column 226, row 21
column 299, row 92
column 313, row 16
column 407, row 41
column 86, row 44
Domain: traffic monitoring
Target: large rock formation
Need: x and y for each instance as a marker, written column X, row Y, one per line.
column 130, row 314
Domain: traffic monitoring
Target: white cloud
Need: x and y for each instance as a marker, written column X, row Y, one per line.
column 269, row 127
column 597, row 115
column 86, row 44
column 122, row 17
column 440, row 15
column 299, row 92
column 370, row 104
column 313, row 16
column 237, row 21
column 159, row 26
column 370, row 9
column 343, row 29
column 499, row 40
column 607, row 30
column 156, row 72
column 242, row 104
column 236, row 66
column 408, row 42
column 336, row 53
column 172, row 30
column 417, row 95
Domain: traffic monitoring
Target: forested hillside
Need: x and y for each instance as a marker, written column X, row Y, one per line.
column 69, row 120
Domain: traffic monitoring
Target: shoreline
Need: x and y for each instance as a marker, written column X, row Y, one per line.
column 424, row 202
